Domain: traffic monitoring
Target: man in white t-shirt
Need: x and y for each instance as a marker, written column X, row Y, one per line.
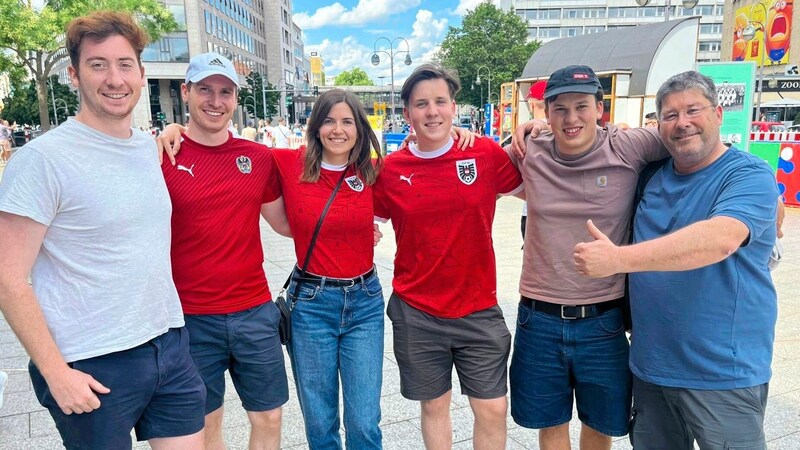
column 101, row 321
column 281, row 133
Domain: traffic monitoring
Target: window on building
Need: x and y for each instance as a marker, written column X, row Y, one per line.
column 179, row 14
column 593, row 30
column 168, row 49
column 710, row 28
column 709, row 46
column 572, row 13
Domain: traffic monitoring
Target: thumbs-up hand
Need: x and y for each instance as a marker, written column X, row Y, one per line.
column 596, row 259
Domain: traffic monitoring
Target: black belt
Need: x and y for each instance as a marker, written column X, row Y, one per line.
column 571, row 311
column 338, row 282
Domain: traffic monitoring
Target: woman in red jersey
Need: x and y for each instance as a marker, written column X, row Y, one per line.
column 337, row 317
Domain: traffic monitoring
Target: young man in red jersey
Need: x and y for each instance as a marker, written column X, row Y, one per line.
column 219, row 187
column 444, row 311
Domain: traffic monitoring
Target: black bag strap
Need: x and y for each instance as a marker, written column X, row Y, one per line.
column 316, row 231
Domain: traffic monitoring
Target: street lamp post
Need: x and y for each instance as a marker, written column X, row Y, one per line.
column 687, row 4
column 391, row 53
column 263, row 97
column 244, row 103
column 489, row 89
column 53, row 96
column 749, row 33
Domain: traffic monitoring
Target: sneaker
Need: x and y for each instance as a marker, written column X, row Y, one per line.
column 3, row 380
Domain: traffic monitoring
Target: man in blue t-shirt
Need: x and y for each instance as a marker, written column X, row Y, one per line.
column 702, row 298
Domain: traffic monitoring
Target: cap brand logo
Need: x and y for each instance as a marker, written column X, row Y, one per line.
column 216, row 62
column 580, row 76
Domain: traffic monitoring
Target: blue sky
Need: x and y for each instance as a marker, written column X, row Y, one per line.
column 344, row 32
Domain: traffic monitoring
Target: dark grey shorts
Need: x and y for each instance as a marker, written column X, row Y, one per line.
column 427, row 348
column 673, row 418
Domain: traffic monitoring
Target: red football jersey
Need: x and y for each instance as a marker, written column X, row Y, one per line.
column 217, row 193
column 442, row 205
column 344, row 247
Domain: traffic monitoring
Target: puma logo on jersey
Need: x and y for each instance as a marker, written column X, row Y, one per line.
column 406, row 178
column 182, row 167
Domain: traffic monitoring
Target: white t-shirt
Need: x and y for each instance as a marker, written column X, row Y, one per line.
column 102, row 276
column 281, row 135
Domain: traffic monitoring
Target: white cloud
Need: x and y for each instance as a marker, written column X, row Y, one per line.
column 427, row 33
column 464, row 5
column 363, row 13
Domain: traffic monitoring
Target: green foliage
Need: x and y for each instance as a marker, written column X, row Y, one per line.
column 796, row 119
column 33, row 36
column 21, row 106
column 253, row 91
column 487, row 37
column 355, row 77
column 65, row 100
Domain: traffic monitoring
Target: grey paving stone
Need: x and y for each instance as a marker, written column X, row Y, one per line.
column 14, row 362
column 18, row 381
column 42, row 424
column 13, row 428
column 19, row 403
column 790, row 442
column 403, row 435
column 395, row 408
column 35, row 443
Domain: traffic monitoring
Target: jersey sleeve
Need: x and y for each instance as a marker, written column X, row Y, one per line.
column 750, row 196
column 30, row 188
column 508, row 181
column 272, row 185
column 380, row 198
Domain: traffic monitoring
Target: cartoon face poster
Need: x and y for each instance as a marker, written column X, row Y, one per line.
column 772, row 22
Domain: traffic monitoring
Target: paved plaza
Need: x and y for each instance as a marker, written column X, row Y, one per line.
column 25, row 425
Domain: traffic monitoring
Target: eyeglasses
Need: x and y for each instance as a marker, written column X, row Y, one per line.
column 690, row 113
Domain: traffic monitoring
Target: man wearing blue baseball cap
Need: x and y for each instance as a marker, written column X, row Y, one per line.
column 570, row 342
column 219, row 186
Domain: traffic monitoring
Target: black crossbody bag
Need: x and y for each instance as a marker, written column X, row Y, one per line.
column 285, row 326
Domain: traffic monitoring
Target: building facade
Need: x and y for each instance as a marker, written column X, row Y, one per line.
column 257, row 35
column 553, row 19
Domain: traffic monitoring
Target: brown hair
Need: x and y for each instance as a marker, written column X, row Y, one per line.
column 361, row 154
column 98, row 26
column 429, row 71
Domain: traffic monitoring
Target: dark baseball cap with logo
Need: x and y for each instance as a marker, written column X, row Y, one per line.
column 580, row 79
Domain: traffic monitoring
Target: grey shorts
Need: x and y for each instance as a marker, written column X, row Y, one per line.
column 427, row 348
column 673, row 418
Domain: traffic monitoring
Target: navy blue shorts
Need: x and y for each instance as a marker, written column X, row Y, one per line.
column 557, row 358
column 155, row 389
column 246, row 344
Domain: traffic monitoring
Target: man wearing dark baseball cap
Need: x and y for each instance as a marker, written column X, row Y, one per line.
column 572, row 79
column 579, row 171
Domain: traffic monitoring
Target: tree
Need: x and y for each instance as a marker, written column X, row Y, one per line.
column 65, row 100
column 491, row 38
column 355, row 77
column 22, row 106
column 252, row 91
column 34, row 35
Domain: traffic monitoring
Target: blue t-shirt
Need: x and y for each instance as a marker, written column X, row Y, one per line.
column 712, row 327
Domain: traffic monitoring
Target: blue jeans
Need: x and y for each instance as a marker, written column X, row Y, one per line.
column 555, row 358
column 338, row 331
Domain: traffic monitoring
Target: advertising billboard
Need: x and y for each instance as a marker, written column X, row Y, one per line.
column 735, row 87
column 771, row 21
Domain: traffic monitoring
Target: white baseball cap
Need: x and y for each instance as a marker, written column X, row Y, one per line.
column 207, row 64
